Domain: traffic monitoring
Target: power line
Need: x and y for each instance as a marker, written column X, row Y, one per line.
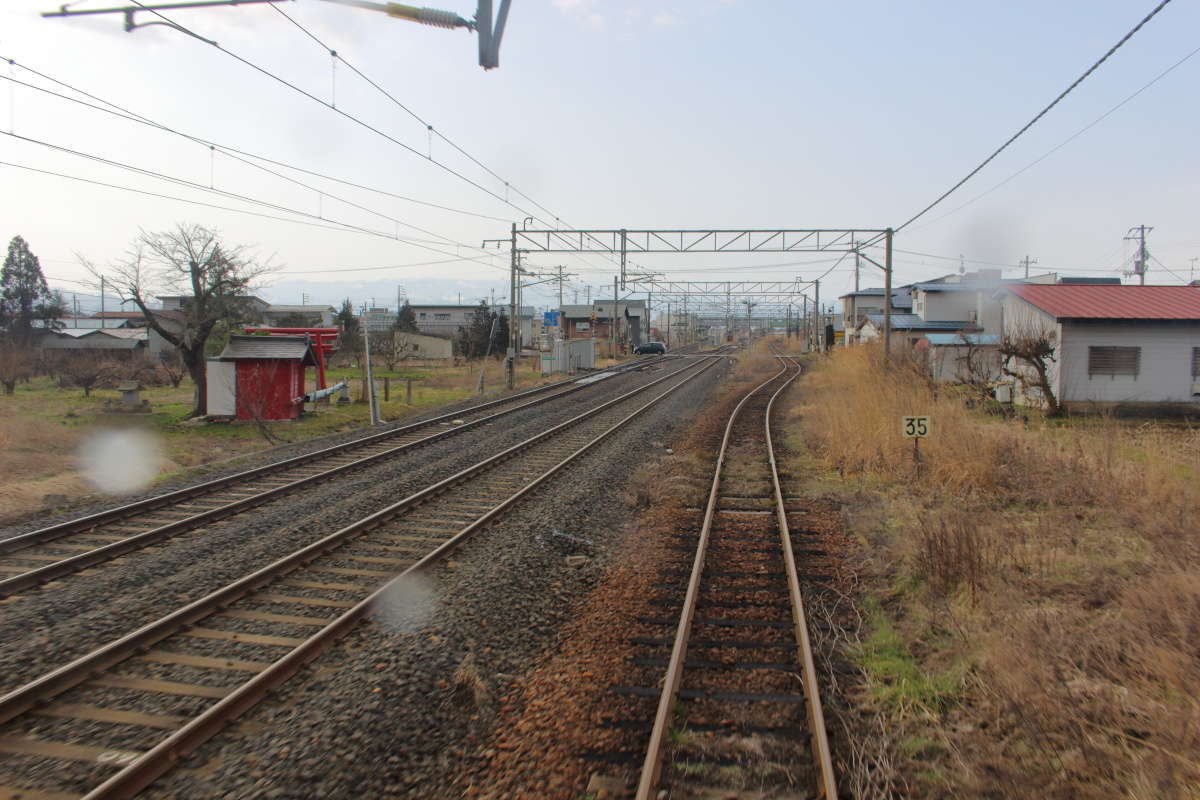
column 235, row 210
column 141, row 119
column 1064, row 142
column 429, row 126
column 268, row 73
column 1039, row 115
column 368, row 126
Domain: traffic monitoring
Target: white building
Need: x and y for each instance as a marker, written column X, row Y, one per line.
column 445, row 320
column 1113, row 345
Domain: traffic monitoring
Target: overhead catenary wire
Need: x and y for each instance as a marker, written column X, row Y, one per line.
column 434, row 131
column 1159, row 7
column 336, row 54
column 356, row 120
column 117, row 110
column 161, row 196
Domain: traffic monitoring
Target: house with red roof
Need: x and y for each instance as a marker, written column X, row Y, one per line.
column 1111, row 345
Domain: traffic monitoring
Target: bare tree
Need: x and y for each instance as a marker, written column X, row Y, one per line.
column 1028, row 354
column 189, row 261
column 16, row 364
column 383, row 348
column 87, row 371
column 975, row 366
column 171, row 364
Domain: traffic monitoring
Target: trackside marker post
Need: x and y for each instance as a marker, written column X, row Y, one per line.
column 915, row 428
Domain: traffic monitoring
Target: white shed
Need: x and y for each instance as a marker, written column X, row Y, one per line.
column 1113, row 345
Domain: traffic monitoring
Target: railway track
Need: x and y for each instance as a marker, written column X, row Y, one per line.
column 736, row 708
column 107, row 724
column 33, row 559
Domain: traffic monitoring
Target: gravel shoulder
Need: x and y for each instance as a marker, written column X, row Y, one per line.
column 407, row 705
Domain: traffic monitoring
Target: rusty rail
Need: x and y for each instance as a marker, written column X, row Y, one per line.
column 652, row 765
column 159, row 759
column 57, row 569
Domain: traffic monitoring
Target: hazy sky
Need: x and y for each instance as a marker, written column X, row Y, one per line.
column 613, row 114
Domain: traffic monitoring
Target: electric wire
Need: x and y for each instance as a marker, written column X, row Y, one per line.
column 203, row 204
column 1064, row 142
column 366, row 125
column 1161, row 5
column 132, row 116
column 337, row 55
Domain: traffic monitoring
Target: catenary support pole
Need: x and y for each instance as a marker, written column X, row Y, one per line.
column 510, row 365
column 887, row 297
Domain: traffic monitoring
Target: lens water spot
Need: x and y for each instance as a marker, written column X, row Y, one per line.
column 120, row 461
column 408, row 604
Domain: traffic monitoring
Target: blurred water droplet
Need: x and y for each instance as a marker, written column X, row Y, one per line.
column 408, row 604
column 120, row 461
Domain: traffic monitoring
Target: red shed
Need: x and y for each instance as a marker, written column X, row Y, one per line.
column 263, row 376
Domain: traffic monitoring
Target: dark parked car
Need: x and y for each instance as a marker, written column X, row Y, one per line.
column 650, row 348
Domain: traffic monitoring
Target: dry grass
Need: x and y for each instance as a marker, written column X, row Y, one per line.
column 1037, row 628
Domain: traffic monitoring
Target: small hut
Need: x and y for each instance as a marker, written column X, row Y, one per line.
column 259, row 377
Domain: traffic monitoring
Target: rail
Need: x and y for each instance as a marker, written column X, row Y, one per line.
column 668, row 697
column 540, row 457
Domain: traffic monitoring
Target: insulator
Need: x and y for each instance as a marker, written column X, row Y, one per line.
column 440, row 19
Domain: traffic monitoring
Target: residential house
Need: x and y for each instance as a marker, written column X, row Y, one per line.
column 316, row 316
column 445, row 320
column 595, row 321
column 908, row 328
column 857, row 304
column 1113, row 345
column 253, row 309
column 377, row 320
column 963, row 357
column 129, row 342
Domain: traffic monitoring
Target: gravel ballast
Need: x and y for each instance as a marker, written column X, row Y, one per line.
column 403, row 706
column 46, row 628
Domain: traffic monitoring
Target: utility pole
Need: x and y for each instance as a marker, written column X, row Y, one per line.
column 1191, row 274
column 817, row 313
column 804, row 317
column 589, row 294
column 102, row 295
column 856, row 264
column 649, row 312
column 887, row 297
column 669, row 322
column 612, row 333
column 510, row 377
column 728, row 309
column 1139, row 264
column 1025, row 262
column 372, row 405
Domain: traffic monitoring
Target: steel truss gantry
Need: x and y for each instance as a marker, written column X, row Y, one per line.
column 621, row 242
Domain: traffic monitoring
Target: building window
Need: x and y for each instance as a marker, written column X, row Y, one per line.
column 422, row 315
column 441, row 316
column 1113, row 361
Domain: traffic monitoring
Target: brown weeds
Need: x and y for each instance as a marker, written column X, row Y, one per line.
column 1053, row 566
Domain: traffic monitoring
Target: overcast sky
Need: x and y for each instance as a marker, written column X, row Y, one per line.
column 721, row 113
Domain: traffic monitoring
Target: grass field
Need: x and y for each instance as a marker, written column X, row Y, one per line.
column 43, row 426
column 1030, row 588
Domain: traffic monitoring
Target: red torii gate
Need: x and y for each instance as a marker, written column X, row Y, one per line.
column 323, row 340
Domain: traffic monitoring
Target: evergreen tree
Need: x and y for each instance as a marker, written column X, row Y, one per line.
column 406, row 319
column 485, row 331
column 24, row 296
column 345, row 318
